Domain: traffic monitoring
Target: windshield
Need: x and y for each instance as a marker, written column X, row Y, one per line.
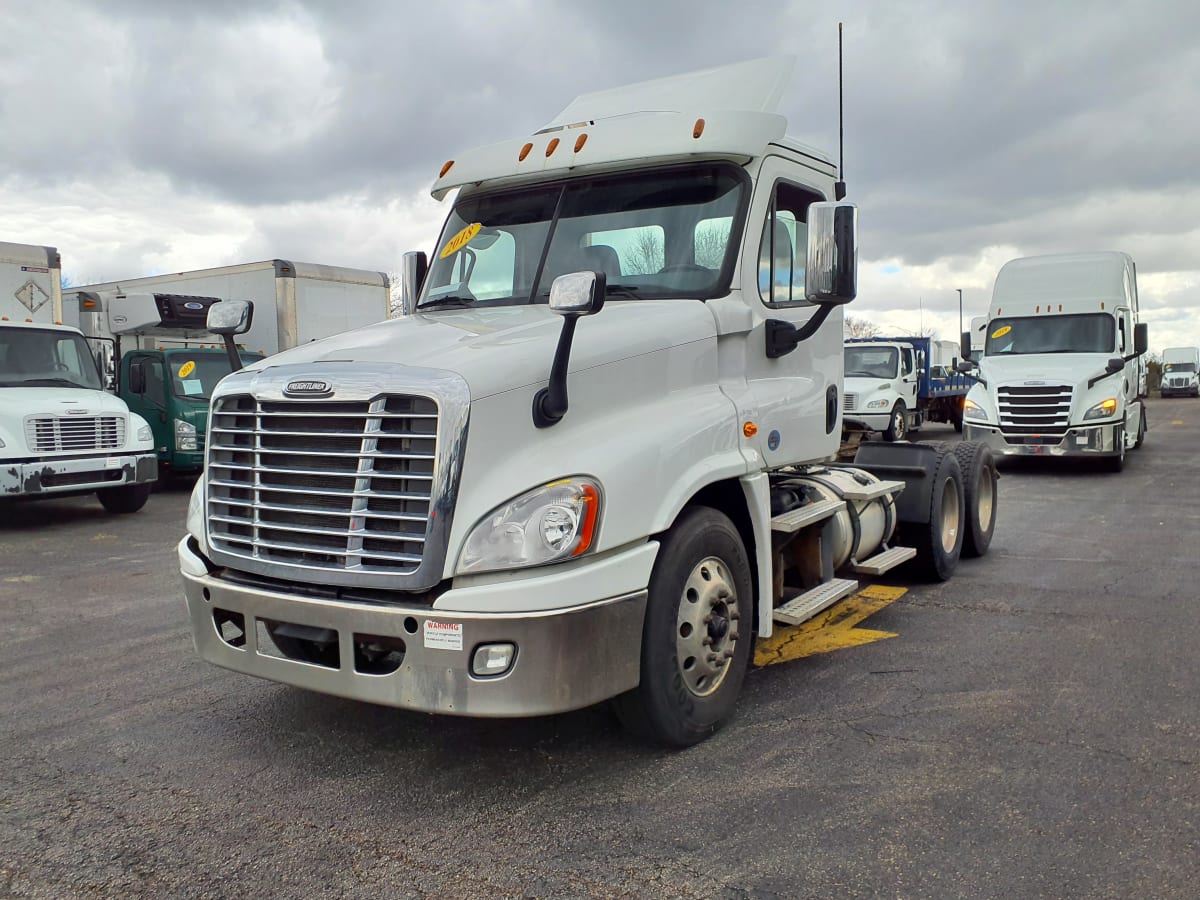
column 871, row 362
column 653, row 234
column 196, row 375
column 1090, row 333
column 1179, row 368
column 30, row 357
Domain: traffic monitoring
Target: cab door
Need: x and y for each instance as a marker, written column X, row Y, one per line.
column 793, row 401
column 149, row 400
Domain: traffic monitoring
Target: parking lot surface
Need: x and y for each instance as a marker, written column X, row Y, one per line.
column 1032, row 730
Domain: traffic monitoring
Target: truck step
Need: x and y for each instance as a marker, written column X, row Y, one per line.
column 871, row 491
column 811, row 602
column 885, row 561
column 795, row 519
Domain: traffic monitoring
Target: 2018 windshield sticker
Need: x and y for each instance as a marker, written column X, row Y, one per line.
column 1001, row 331
column 187, row 368
column 460, row 240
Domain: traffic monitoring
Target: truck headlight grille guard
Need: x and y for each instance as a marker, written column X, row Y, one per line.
column 355, row 488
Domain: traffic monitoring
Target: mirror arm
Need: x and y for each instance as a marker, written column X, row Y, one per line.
column 235, row 359
column 550, row 403
column 783, row 337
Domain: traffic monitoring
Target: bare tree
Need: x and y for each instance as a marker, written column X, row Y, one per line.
column 711, row 241
column 858, row 327
column 646, row 255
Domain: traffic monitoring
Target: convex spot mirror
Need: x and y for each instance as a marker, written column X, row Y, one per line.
column 230, row 317
column 578, row 293
column 831, row 272
column 1114, row 365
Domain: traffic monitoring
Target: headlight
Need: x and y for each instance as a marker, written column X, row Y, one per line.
column 972, row 410
column 185, row 435
column 879, row 404
column 1102, row 410
column 144, row 434
column 548, row 524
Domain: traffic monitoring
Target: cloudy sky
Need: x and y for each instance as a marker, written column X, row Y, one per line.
column 148, row 137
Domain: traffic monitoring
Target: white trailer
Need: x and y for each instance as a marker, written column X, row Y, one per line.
column 415, row 514
column 1062, row 370
column 1180, row 372
column 294, row 302
column 30, row 283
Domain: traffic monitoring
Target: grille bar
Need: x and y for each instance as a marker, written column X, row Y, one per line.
column 331, row 485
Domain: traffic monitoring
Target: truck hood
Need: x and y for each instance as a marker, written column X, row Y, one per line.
column 1059, row 368
column 509, row 347
column 18, row 402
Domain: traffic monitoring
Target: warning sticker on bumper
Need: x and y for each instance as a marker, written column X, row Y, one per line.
column 443, row 635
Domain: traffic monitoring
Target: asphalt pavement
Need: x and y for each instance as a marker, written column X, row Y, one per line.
column 1033, row 730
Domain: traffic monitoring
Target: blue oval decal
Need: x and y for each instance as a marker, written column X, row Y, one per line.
column 773, row 440
column 192, row 304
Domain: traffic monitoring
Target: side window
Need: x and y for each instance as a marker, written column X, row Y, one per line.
column 784, row 249
column 906, row 362
column 1121, row 344
column 155, row 386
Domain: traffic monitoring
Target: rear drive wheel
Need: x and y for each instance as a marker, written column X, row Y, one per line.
column 979, row 496
column 897, row 429
column 939, row 541
column 697, row 638
column 128, row 498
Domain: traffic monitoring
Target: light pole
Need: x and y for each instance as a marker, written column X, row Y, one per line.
column 959, row 309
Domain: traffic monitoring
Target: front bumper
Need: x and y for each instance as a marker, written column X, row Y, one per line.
column 565, row 658
column 1091, row 440
column 80, row 473
column 1189, row 391
column 868, row 421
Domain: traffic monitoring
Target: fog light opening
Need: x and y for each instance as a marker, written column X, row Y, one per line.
column 231, row 626
column 492, row 660
column 377, row 654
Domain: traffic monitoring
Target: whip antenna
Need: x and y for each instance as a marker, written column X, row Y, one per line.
column 839, row 188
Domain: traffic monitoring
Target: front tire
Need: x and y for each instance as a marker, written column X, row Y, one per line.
column 979, row 496
column 897, row 429
column 128, row 498
column 1116, row 463
column 698, row 634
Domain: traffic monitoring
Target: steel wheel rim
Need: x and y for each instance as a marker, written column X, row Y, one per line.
column 949, row 515
column 706, row 627
column 898, row 424
column 986, row 494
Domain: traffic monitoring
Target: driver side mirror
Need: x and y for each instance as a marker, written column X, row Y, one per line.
column 137, row 377
column 578, row 293
column 831, row 271
column 964, row 345
column 1141, row 338
column 230, row 317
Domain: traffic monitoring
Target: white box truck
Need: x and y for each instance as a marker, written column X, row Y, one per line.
column 60, row 431
column 589, row 462
column 1062, row 370
column 165, row 363
column 1180, row 372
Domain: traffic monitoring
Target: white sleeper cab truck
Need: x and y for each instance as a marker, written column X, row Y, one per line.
column 60, row 431
column 589, row 462
column 1062, row 369
column 1180, row 372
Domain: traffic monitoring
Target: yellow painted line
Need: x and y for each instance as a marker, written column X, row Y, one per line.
column 1177, row 421
column 832, row 629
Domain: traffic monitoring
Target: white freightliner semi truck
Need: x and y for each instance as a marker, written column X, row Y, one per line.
column 590, row 462
column 1062, row 370
column 1180, row 372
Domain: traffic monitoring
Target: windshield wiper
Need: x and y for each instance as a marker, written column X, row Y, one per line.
column 623, row 290
column 49, row 382
column 449, row 302
column 858, row 374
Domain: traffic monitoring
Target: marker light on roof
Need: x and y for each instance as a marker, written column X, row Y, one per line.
column 580, row 141
column 524, row 152
column 551, row 147
column 698, row 128
column 445, row 168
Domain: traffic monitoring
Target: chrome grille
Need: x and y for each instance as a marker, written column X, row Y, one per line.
column 1034, row 409
column 335, row 485
column 850, row 402
column 1179, row 382
column 52, row 434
